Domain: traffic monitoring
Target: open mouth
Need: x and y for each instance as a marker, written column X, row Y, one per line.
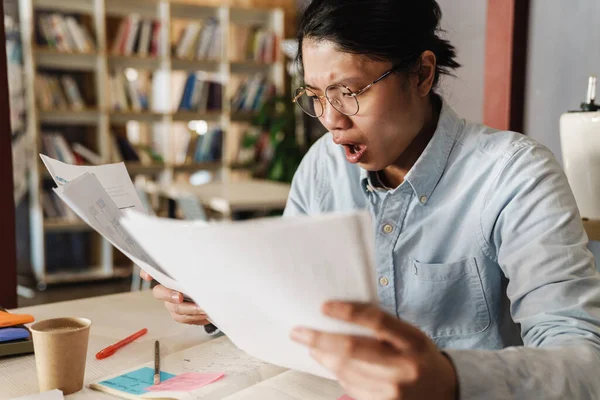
column 354, row 152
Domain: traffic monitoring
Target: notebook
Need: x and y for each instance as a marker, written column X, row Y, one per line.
column 231, row 371
column 8, row 319
column 14, row 340
column 11, row 334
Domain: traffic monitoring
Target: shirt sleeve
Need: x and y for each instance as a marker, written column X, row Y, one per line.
column 535, row 234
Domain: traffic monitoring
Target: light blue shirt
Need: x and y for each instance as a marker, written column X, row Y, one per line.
column 482, row 247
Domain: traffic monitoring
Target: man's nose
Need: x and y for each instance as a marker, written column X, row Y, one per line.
column 334, row 120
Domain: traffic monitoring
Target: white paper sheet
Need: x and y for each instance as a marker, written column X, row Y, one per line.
column 258, row 279
column 49, row 395
column 291, row 385
column 113, row 177
column 88, row 199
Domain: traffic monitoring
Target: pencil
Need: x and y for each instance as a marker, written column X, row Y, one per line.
column 156, row 363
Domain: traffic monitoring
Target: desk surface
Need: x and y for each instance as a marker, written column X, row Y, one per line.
column 113, row 318
column 117, row 316
column 227, row 197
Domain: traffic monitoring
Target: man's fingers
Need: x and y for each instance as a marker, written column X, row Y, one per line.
column 377, row 370
column 185, row 309
column 363, row 380
column 385, row 326
column 347, row 348
column 369, row 391
column 190, row 319
column 162, row 293
column 359, row 385
column 145, row 276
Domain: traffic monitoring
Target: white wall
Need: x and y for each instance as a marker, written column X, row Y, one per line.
column 465, row 22
column 564, row 49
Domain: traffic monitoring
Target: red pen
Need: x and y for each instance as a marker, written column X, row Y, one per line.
column 110, row 350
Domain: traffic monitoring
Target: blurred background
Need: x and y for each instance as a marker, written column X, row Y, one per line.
column 194, row 98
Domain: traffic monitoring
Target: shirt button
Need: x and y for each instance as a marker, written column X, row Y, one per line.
column 423, row 199
column 388, row 228
column 383, row 281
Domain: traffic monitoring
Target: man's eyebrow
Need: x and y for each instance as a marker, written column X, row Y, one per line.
column 349, row 81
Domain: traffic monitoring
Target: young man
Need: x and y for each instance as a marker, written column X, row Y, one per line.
column 480, row 248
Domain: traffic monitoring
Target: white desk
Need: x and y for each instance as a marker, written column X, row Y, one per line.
column 113, row 318
column 117, row 316
column 230, row 197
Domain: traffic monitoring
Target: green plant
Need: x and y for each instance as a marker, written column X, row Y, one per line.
column 272, row 140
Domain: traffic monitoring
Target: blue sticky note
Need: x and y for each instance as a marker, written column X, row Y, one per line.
column 135, row 382
column 8, row 334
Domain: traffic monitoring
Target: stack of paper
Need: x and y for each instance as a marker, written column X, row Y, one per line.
column 98, row 195
column 259, row 279
column 256, row 279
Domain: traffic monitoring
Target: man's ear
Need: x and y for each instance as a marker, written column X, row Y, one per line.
column 426, row 73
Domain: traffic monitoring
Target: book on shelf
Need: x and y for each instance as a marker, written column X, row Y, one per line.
column 255, row 149
column 129, row 93
column 201, row 94
column 68, row 251
column 252, row 93
column 252, row 43
column 64, row 32
column 127, row 151
column 86, row 154
column 54, row 208
column 200, row 40
column 121, row 149
column 137, row 36
column 55, row 91
column 55, row 144
column 15, row 71
column 205, row 148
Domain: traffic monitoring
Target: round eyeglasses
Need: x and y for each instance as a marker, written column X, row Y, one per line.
column 339, row 96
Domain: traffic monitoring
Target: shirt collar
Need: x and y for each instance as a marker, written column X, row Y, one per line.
column 424, row 176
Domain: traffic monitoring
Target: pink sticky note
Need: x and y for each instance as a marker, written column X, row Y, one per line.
column 345, row 397
column 186, row 382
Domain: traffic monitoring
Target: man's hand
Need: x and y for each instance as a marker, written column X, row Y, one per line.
column 400, row 362
column 184, row 312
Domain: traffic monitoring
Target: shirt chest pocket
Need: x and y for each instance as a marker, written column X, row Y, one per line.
column 444, row 299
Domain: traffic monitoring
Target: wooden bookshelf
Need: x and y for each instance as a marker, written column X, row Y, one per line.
column 143, row 116
column 592, row 229
column 50, row 58
column 192, row 116
column 193, row 65
column 70, row 117
column 92, row 273
column 134, row 61
column 191, row 167
column 63, row 225
column 136, row 168
column 99, row 118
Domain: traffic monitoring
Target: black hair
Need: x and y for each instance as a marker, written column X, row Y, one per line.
column 398, row 31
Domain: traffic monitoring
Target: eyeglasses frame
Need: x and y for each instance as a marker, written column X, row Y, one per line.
column 350, row 92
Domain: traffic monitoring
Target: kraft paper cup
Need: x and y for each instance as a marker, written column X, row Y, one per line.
column 60, row 347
